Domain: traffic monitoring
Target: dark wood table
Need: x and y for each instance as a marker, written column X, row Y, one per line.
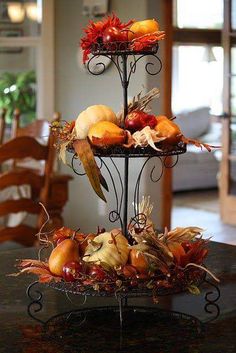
column 100, row 331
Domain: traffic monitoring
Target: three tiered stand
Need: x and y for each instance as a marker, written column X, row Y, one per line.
column 126, row 62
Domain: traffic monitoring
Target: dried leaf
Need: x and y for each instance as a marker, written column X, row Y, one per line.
column 193, row 289
column 85, row 153
column 49, row 278
column 31, row 262
column 62, row 151
column 103, row 181
column 140, row 103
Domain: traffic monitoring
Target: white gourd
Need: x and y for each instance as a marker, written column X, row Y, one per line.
column 104, row 249
column 91, row 116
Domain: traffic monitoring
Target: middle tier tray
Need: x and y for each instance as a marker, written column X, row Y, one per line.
column 120, row 151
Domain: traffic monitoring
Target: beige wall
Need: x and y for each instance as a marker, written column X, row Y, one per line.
column 76, row 90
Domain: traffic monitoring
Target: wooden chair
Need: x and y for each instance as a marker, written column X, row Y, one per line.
column 2, row 124
column 38, row 129
column 58, row 183
column 20, row 148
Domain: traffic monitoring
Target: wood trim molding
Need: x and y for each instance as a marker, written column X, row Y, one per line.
column 197, row 36
column 46, row 64
column 167, row 92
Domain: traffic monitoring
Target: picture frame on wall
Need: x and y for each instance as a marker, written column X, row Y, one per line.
column 11, row 33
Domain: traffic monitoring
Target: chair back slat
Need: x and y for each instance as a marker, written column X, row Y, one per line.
column 23, row 147
column 21, row 177
column 37, row 129
column 2, row 124
column 20, row 205
column 31, row 156
column 16, row 234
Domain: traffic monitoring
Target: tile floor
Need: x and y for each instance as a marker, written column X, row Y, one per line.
column 201, row 209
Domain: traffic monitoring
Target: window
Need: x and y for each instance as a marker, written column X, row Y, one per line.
column 27, row 56
column 199, row 13
column 197, row 79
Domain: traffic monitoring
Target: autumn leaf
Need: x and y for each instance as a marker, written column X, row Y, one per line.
column 85, row 154
column 193, row 289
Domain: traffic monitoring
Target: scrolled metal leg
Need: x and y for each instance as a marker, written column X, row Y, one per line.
column 35, row 305
column 211, row 298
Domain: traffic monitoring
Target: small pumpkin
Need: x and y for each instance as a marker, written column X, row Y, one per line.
column 167, row 128
column 110, row 248
column 91, row 116
column 140, row 28
column 138, row 261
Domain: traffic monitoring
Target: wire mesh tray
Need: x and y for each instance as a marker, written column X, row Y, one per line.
column 122, row 152
column 132, row 292
column 119, row 48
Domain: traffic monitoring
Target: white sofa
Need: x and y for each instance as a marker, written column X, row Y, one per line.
column 197, row 169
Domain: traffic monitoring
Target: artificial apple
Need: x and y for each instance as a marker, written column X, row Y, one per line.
column 66, row 251
column 137, row 120
column 114, row 34
column 72, row 270
column 97, row 272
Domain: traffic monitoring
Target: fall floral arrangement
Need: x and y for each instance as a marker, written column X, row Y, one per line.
column 98, row 129
column 106, row 262
column 133, row 35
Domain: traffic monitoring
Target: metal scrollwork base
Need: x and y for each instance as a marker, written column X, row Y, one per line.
column 212, row 297
column 210, row 306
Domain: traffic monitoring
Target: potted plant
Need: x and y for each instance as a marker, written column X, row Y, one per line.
column 18, row 90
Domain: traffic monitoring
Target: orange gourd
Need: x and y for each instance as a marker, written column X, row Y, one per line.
column 138, row 260
column 167, row 128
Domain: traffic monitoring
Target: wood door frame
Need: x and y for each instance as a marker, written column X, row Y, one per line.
column 227, row 201
column 167, row 92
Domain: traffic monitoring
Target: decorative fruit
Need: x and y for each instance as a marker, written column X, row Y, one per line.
column 114, row 34
column 83, row 240
column 91, row 116
column 67, row 250
column 138, row 119
column 140, row 28
column 105, row 133
column 129, row 271
column 110, row 248
column 167, row 128
column 61, row 239
column 177, row 250
column 72, row 270
column 97, row 272
column 138, row 261
column 63, row 232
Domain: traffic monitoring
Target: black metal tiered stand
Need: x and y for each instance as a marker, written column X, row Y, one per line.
column 126, row 62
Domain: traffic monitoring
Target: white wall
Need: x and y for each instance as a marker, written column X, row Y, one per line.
column 76, row 90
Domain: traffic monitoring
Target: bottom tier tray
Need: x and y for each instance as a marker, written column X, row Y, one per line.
column 98, row 330
column 193, row 278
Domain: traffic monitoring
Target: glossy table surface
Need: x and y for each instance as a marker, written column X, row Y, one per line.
column 99, row 331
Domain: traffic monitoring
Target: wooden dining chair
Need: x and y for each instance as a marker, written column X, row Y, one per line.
column 58, row 187
column 38, row 129
column 2, row 124
column 20, row 148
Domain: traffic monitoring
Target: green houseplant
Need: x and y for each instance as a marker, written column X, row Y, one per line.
column 18, row 90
